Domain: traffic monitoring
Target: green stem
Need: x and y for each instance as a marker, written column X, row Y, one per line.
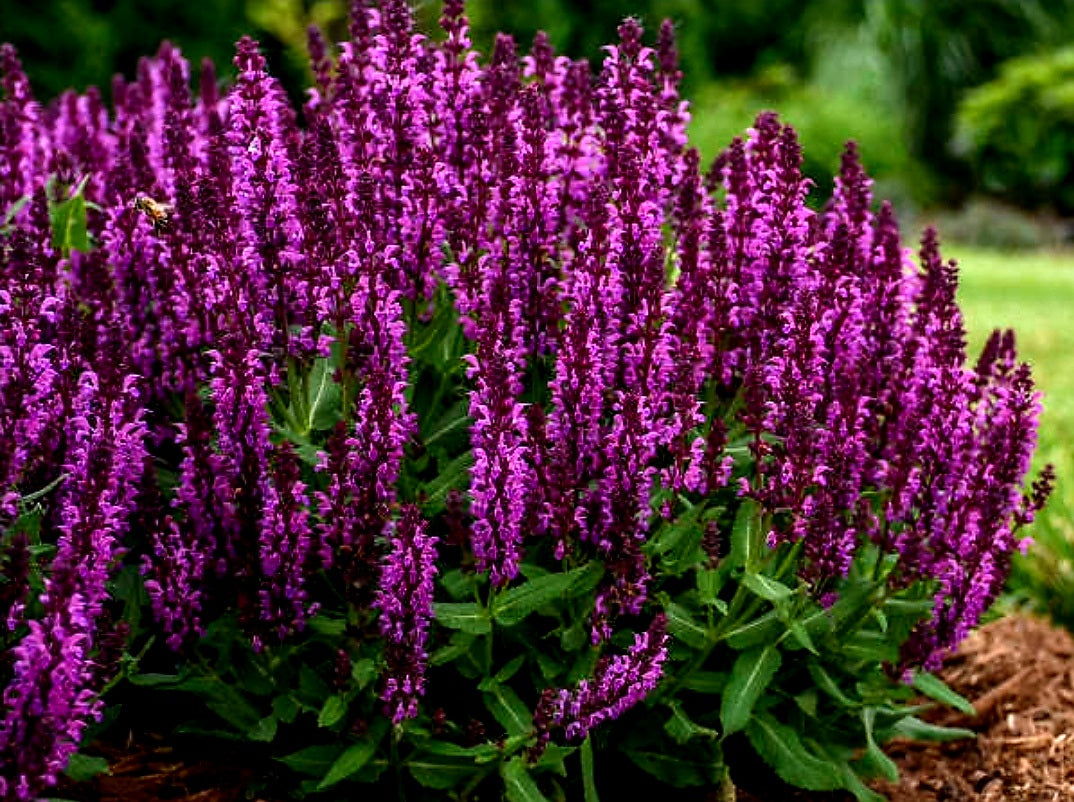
column 726, row 790
column 397, row 764
column 492, row 629
column 744, row 605
column 471, row 786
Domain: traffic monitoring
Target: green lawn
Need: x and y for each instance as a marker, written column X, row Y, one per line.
column 1033, row 293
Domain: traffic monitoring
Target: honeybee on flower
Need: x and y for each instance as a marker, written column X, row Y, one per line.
column 158, row 213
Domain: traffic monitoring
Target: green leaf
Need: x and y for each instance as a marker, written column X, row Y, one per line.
column 224, row 700
column 585, row 579
column 130, row 589
column 507, row 708
column 912, row 609
column 69, row 230
column 453, row 476
column 457, row 583
column 684, row 768
column 746, row 536
column 313, row 760
column 935, row 688
column 762, row 630
column 285, row 708
column 333, row 711
column 312, row 690
column 264, row 731
column 12, row 211
column 153, row 680
column 589, row 782
column 918, row 730
column 712, row 682
column 851, row 781
column 428, row 341
column 29, row 524
column 807, row 701
column 516, row 604
column 440, row 772
column 683, row 627
column 83, row 768
column 781, row 748
column 518, row 783
column 767, row 588
column 870, row 646
column 750, row 676
column 853, row 604
column 683, row 729
column 814, row 621
column 862, row 792
column 323, row 400
column 467, row 617
column 678, row 544
column 874, row 756
column 354, row 757
column 575, row 637
column 828, row 684
column 454, row 420
column 29, row 498
column 801, row 637
column 709, row 585
column 510, row 669
column 363, row 672
column 329, row 627
column 553, row 758
column 480, row 753
column 462, row 643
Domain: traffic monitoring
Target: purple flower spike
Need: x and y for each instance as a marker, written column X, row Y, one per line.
column 405, row 602
column 24, row 149
column 62, row 662
column 285, row 548
column 618, row 683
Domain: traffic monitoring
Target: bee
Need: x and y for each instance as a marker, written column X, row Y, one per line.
column 158, row 213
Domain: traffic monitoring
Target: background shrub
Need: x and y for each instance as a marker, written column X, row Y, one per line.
column 1016, row 131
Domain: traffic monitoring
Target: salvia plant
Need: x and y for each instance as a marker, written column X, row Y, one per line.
column 455, row 434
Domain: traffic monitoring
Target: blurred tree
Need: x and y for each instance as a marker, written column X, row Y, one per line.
column 937, row 49
column 907, row 62
column 1017, row 131
column 77, row 43
column 716, row 37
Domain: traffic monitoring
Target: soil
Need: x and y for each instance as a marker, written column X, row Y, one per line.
column 1018, row 672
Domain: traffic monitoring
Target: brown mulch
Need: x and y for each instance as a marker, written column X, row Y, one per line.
column 1018, row 672
column 150, row 768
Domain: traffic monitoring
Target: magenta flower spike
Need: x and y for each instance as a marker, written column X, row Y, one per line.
column 405, row 602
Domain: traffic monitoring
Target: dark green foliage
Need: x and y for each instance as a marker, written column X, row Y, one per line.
column 936, row 50
column 80, row 43
column 1017, row 131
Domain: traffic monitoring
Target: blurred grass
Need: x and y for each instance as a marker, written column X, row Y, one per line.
column 1033, row 293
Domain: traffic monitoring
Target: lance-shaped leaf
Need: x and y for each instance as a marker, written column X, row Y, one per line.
column 782, row 749
column 519, row 783
column 751, row 674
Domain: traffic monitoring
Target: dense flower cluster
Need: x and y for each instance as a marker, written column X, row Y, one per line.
column 405, row 602
column 74, row 418
column 244, row 308
column 618, row 683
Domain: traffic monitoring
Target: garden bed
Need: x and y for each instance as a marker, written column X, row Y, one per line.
column 1017, row 671
column 1019, row 675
